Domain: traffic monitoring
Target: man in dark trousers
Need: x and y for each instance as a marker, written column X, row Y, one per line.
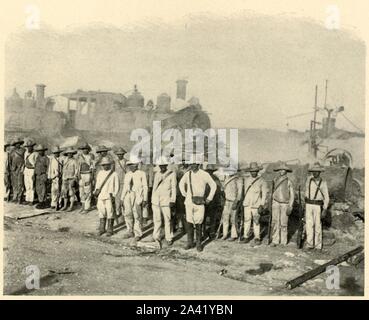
column 41, row 171
column 214, row 208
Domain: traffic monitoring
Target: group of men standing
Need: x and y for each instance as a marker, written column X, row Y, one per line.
column 194, row 197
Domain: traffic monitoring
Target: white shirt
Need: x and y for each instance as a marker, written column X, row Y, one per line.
column 255, row 192
column 165, row 192
column 322, row 194
column 111, row 186
column 135, row 182
column 199, row 180
column 30, row 157
column 54, row 167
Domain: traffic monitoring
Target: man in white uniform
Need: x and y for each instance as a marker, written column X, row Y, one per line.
column 134, row 197
column 316, row 201
column 29, row 171
column 255, row 191
column 283, row 198
column 163, row 199
column 106, row 189
column 55, row 175
column 192, row 187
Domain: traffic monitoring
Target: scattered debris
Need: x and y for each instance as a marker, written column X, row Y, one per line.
column 34, row 215
column 313, row 273
column 222, row 272
column 63, row 229
column 289, row 254
column 64, row 271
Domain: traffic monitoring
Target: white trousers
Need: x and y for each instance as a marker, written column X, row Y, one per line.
column 279, row 223
column 105, row 209
column 158, row 213
column 195, row 213
column 133, row 214
column 229, row 215
column 54, row 192
column 251, row 216
column 28, row 184
column 313, row 226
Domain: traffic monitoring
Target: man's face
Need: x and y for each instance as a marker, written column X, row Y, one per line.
column 194, row 167
column 316, row 174
column 57, row 155
column 104, row 153
column 120, row 156
column 41, row 153
column 163, row 168
column 85, row 151
column 106, row 167
column 30, row 149
column 17, row 146
column 282, row 172
column 70, row 155
column 254, row 174
column 133, row 167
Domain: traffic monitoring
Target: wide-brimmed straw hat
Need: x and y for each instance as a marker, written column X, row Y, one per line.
column 120, row 151
column 316, row 168
column 17, row 141
column 70, row 150
column 56, row 149
column 162, row 161
column 282, row 166
column 29, row 143
column 102, row 149
column 105, row 160
column 40, row 147
column 84, row 146
column 253, row 167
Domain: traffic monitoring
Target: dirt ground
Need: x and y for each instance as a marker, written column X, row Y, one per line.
column 74, row 261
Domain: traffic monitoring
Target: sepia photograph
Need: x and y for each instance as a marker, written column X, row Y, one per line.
column 184, row 149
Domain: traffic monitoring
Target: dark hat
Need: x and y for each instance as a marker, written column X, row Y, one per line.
column 84, row 146
column 316, row 168
column 102, row 149
column 40, row 147
column 17, row 141
column 282, row 166
column 254, row 167
column 7, row 144
column 70, row 150
column 120, row 151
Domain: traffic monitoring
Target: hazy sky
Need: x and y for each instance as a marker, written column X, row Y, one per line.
column 249, row 71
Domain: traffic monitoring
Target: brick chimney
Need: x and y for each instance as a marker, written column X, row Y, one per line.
column 181, row 89
column 40, row 95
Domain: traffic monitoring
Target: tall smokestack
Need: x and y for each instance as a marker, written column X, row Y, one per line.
column 40, row 95
column 181, row 89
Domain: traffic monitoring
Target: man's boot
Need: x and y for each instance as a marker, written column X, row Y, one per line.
column 109, row 231
column 71, row 205
column 190, row 232
column 102, row 226
column 198, row 228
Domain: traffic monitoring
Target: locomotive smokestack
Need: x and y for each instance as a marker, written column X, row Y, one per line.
column 40, row 95
column 181, row 89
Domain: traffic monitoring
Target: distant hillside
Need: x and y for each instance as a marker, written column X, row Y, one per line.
column 266, row 145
